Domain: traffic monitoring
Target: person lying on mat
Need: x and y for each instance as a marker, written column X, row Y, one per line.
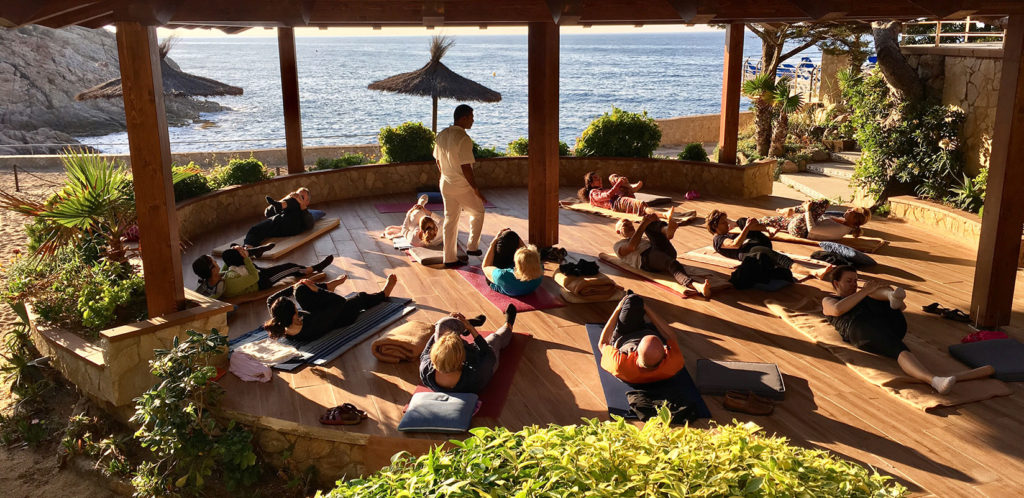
column 617, row 198
column 809, row 221
column 656, row 253
column 738, row 246
column 450, row 364
column 284, row 218
column 872, row 320
column 635, row 350
column 241, row 276
column 420, row 227
column 511, row 266
column 317, row 310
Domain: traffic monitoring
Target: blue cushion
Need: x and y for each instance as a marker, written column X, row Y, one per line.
column 439, row 412
column 1005, row 355
column 852, row 255
column 432, row 197
column 317, row 214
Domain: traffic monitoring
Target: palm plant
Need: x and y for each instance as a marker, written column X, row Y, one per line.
column 785, row 102
column 761, row 91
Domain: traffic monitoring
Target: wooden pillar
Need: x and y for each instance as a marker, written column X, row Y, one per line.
column 543, row 133
column 290, row 93
column 999, row 246
column 150, row 150
column 732, row 80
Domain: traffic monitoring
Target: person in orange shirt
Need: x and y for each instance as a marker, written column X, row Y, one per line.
column 635, row 350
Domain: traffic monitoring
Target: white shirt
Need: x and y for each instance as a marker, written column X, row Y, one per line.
column 452, row 149
column 632, row 259
column 828, row 230
column 411, row 228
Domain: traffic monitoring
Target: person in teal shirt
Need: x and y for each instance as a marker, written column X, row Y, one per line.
column 511, row 266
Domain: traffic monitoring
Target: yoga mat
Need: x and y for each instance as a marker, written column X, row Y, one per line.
column 285, row 245
column 682, row 216
column 265, row 293
column 615, row 390
column 708, row 255
column 335, row 342
column 493, row 397
column 718, row 283
column 866, row 244
column 404, row 207
column 652, row 199
column 885, row 372
column 539, row 299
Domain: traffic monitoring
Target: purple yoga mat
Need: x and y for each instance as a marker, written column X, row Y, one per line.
column 539, row 299
column 403, row 207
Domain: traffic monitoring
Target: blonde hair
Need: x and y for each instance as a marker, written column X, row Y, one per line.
column 448, row 353
column 527, row 263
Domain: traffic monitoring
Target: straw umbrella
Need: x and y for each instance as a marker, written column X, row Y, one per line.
column 437, row 81
column 176, row 82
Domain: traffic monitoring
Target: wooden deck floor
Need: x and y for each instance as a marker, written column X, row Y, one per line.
column 968, row 450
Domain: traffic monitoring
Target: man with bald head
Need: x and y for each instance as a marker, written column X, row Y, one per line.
column 636, row 350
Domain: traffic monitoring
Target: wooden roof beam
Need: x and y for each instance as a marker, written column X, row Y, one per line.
column 287, row 13
column 819, row 10
column 99, row 22
column 17, row 14
column 566, row 12
column 78, row 16
column 690, row 11
column 944, row 9
column 433, row 14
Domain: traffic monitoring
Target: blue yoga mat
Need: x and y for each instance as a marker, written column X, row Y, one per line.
column 615, row 390
column 335, row 342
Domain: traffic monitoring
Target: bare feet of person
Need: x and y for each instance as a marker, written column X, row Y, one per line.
column 637, row 186
column 390, row 284
column 333, row 284
column 823, row 273
column 896, row 297
column 703, row 287
column 670, row 229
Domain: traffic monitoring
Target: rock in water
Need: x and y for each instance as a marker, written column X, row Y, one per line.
column 41, row 71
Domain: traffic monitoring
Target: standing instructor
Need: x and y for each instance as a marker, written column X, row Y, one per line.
column 454, row 154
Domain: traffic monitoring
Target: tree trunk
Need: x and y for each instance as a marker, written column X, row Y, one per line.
column 763, row 125
column 901, row 78
column 779, row 137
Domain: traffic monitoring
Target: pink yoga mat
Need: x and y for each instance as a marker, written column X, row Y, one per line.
column 404, row 207
column 493, row 397
column 539, row 299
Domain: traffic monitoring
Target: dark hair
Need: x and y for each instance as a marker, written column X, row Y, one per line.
column 461, row 111
column 584, row 193
column 839, row 271
column 201, row 266
column 232, row 257
column 282, row 310
column 712, row 220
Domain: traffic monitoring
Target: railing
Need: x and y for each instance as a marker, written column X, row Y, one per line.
column 939, row 33
column 804, row 78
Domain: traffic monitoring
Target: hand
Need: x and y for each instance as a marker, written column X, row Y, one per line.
column 458, row 316
column 650, row 218
column 243, row 251
column 872, row 285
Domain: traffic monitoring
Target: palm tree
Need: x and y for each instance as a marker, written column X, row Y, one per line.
column 761, row 91
column 786, row 102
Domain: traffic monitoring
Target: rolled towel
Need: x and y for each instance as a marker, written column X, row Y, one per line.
column 405, row 342
column 595, row 285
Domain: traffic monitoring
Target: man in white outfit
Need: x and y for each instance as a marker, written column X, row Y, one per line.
column 454, row 154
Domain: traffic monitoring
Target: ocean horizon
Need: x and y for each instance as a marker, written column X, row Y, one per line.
column 665, row 74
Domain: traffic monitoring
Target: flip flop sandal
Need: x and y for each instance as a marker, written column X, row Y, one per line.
column 956, row 315
column 341, row 415
column 352, row 408
column 934, row 308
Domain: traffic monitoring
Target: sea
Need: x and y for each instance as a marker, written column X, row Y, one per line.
column 664, row 74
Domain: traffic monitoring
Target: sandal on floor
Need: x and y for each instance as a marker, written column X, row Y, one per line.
column 346, row 414
column 934, row 308
column 747, row 402
column 956, row 315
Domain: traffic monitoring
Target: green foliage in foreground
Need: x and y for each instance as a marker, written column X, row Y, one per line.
column 620, row 134
column 407, row 142
column 619, row 459
column 694, row 152
column 323, row 163
column 192, row 185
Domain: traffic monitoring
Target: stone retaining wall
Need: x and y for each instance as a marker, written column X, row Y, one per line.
column 960, row 225
column 699, row 128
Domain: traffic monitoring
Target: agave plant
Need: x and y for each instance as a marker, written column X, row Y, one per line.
column 761, row 91
column 785, row 102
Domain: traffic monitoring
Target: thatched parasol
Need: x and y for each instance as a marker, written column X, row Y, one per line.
column 176, row 82
column 437, row 81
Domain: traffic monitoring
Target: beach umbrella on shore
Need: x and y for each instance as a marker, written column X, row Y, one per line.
column 176, row 82
column 437, row 81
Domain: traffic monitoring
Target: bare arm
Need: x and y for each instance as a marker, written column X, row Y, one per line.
column 659, row 323
column 606, row 334
column 738, row 241
column 488, row 263
column 831, row 306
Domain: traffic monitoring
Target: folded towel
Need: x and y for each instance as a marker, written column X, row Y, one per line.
column 595, row 285
column 404, row 342
column 268, row 351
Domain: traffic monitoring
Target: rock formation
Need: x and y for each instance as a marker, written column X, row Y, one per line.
column 41, row 70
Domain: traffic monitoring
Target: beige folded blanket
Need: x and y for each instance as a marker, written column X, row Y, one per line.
column 405, row 342
column 594, row 285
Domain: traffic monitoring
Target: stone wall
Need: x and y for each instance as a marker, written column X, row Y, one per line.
column 700, row 128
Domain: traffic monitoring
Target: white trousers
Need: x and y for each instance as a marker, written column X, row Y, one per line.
column 457, row 199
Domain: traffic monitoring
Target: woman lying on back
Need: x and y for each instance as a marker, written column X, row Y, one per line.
column 317, row 310
column 420, row 227
column 284, row 218
column 619, row 197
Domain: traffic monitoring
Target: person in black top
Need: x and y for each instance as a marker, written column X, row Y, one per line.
column 748, row 241
column 319, row 309
column 450, row 364
column 872, row 320
column 285, row 217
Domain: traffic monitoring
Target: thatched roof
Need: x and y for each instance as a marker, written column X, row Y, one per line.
column 176, row 82
column 436, row 80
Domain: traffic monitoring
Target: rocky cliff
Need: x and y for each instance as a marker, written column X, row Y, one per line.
column 41, row 70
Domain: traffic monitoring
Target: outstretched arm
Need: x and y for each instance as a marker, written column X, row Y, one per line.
column 488, row 262
column 606, row 333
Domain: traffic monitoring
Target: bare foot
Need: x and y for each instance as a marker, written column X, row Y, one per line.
column 637, row 186
column 670, row 230
column 703, row 287
column 333, row 284
column 823, row 273
column 390, row 284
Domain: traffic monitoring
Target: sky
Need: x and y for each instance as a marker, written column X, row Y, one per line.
column 422, row 31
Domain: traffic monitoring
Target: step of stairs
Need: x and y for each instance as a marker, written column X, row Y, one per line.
column 846, row 157
column 817, row 186
column 833, row 169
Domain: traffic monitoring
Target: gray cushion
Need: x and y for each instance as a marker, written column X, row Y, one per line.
column 652, row 199
column 1005, row 355
column 717, row 377
column 859, row 259
column 439, row 412
column 429, row 256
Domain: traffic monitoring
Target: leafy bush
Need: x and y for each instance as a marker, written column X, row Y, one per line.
column 240, row 172
column 620, row 134
column 340, row 162
column 619, row 459
column 407, row 142
column 521, row 147
column 176, row 423
column 970, row 194
column 694, row 152
column 193, row 185
column 20, row 370
column 485, row 153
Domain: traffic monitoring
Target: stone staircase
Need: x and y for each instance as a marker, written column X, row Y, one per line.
column 829, row 180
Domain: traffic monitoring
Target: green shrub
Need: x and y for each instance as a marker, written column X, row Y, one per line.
column 619, row 459
column 240, row 172
column 340, row 162
column 521, row 147
column 620, row 134
column 407, row 142
column 969, row 194
column 190, row 186
column 694, row 152
column 176, row 424
column 485, row 153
